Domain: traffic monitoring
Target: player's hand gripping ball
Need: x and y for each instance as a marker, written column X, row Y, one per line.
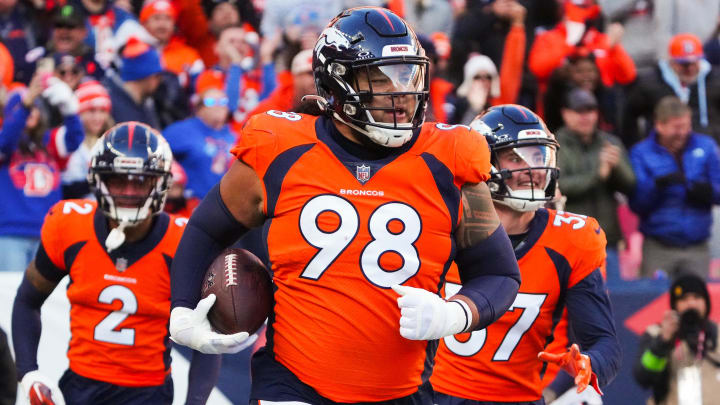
column 243, row 289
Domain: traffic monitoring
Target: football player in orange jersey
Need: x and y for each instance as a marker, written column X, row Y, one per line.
column 364, row 209
column 560, row 256
column 117, row 253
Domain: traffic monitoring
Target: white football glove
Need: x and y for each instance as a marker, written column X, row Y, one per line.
column 60, row 95
column 41, row 390
column 426, row 316
column 191, row 328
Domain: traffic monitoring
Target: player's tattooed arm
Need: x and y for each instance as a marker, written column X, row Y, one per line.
column 479, row 219
column 242, row 193
column 40, row 282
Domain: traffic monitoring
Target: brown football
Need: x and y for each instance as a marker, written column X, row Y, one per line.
column 243, row 291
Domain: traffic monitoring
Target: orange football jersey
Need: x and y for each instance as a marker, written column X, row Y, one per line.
column 341, row 232
column 119, row 301
column 561, row 341
column 499, row 363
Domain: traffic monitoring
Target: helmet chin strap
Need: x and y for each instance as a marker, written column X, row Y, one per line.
column 390, row 138
column 520, row 200
column 116, row 237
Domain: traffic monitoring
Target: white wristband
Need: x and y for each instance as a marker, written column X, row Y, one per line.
column 466, row 315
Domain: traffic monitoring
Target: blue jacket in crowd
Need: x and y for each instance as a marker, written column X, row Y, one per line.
column 30, row 182
column 202, row 151
column 665, row 212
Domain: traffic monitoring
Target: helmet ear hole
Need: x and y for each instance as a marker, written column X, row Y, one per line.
column 349, row 109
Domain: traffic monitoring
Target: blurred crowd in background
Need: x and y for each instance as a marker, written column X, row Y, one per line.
column 631, row 89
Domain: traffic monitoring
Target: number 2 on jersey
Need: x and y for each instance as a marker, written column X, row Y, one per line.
column 332, row 244
column 105, row 330
column 529, row 303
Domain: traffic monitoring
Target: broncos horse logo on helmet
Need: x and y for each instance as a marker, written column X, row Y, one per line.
column 366, row 54
column 515, row 128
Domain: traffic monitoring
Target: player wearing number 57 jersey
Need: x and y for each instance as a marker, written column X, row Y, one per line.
column 364, row 208
column 560, row 256
column 117, row 254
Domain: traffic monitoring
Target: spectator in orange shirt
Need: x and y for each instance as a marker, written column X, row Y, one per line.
column 578, row 34
column 292, row 86
column 159, row 17
column 201, row 24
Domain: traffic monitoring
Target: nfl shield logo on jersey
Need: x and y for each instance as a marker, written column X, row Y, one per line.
column 121, row 264
column 362, row 173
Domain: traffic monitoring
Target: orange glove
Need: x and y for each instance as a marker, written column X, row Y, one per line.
column 577, row 365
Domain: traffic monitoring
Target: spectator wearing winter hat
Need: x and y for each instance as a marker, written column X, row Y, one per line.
column 696, row 17
column 67, row 38
column 131, row 90
column 159, row 18
column 594, row 166
column 67, row 69
column 686, row 75
column 483, row 87
column 202, row 142
column 29, row 173
column 94, row 112
column 480, row 84
column 292, row 86
column 684, row 340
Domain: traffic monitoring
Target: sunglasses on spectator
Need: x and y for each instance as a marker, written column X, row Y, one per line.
column 71, row 71
column 483, row 77
column 66, row 26
column 215, row 102
column 585, row 109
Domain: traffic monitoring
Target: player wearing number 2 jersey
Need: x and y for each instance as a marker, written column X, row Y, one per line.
column 117, row 254
column 560, row 255
column 364, row 208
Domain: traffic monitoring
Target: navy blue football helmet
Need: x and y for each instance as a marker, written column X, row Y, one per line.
column 130, row 152
column 516, row 128
column 366, row 53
